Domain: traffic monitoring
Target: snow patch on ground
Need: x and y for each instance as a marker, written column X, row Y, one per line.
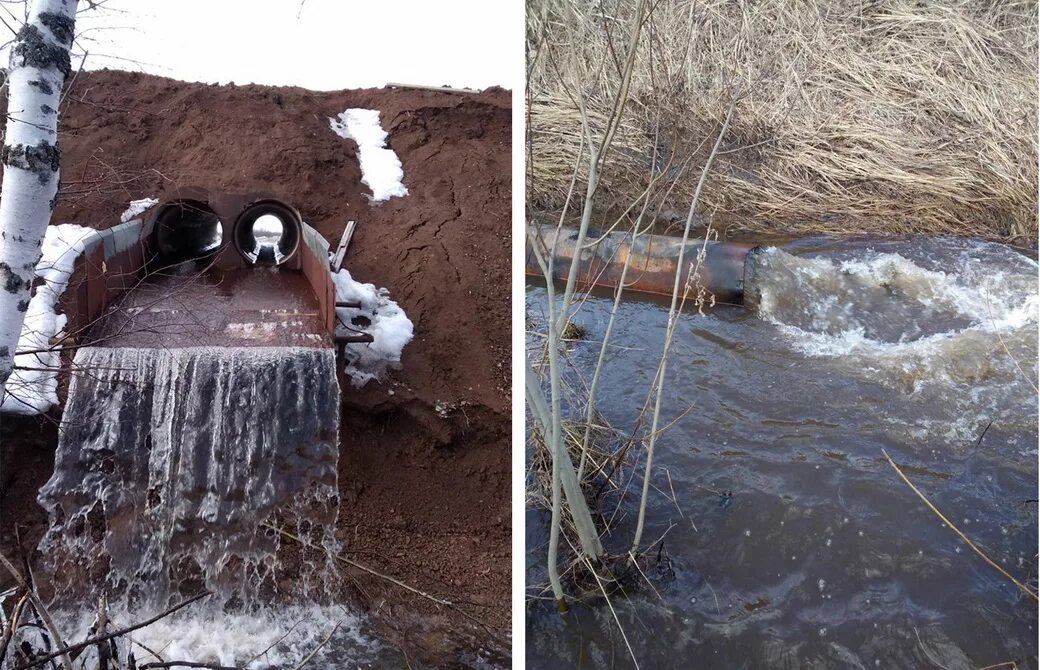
column 136, row 208
column 33, row 386
column 380, row 167
column 380, row 317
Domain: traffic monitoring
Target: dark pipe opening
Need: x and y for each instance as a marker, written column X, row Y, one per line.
column 187, row 230
column 267, row 233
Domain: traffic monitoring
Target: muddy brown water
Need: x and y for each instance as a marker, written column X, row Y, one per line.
column 823, row 558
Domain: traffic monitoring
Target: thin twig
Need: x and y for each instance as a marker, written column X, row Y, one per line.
column 44, row 614
column 187, row 664
column 108, row 636
column 964, row 537
column 359, row 566
column 316, row 649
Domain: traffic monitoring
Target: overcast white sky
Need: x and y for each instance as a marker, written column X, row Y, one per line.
column 325, row 45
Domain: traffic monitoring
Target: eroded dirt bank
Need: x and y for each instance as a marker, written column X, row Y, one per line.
column 424, row 459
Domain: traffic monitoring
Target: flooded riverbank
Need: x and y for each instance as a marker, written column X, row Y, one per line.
column 823, row 557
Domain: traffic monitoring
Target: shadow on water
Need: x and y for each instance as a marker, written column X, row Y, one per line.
column 824, row 558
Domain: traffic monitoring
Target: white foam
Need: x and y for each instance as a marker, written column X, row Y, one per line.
column 381, row 169
column 389, row 326
column 32, row 387
column 203, row 633
column 951, row 325
column 990, row 301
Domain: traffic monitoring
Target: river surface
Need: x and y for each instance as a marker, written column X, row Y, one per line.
column 823, row 557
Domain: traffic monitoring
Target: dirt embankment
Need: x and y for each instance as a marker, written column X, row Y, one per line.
column 424, row 459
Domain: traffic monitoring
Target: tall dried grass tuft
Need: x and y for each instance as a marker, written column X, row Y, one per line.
column 876, row 117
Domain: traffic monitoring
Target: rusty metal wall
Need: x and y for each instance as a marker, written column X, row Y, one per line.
column 652, row 261
column 111, row 263
column 314, row 262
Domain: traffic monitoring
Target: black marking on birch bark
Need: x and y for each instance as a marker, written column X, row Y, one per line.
column 61, row 25
column 23, row 305
column 44, row 87
column 35, row 51
column 11, row 281
column 47, row 109
column 42, row 159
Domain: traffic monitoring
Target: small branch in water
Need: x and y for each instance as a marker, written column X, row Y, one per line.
column 621, row 628
column 984, row 431
column 275, row 643
column 964, row 537
column 318, row 648
column 357, row 565
column 116, row 633
column 44, row 614
column 186, row 664
column 392, row 580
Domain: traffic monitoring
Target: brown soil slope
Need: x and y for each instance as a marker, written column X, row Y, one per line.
column 424, row 466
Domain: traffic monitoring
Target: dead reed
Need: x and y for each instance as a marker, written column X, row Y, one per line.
column 879, row 117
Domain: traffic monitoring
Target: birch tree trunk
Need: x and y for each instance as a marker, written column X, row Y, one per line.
column 38, row 68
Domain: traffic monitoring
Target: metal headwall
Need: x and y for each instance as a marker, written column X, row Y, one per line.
column 120, row 256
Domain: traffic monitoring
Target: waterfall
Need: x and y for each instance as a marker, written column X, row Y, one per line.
column 170, row 462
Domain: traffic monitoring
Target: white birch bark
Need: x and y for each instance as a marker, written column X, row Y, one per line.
column 38, row 67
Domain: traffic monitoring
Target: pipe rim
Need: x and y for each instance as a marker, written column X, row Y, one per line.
column 292, row 230
column 163, row 245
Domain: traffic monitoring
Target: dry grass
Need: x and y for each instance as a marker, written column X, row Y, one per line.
column 870, row 116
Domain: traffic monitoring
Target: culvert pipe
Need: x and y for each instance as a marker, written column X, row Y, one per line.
column 268, row 232
column 652, row 261
column 187, row 230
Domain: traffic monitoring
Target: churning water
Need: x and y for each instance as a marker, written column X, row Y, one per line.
column 171, row 464
column 823, row 558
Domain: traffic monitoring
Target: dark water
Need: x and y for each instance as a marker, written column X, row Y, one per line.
column 824, row 558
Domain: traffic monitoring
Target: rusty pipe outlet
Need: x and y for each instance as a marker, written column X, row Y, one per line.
column 268, row 232
column 236, row 230
column 652, row 261
column 187, row 229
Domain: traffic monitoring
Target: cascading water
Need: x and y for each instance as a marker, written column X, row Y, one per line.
column 953, row 318
column 169, row 461
column 170, row 467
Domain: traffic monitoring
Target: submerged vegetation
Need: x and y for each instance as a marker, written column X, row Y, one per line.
column 881, row 117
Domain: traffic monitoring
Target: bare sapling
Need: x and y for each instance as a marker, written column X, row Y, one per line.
column 564, row 476
column 673, row 317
